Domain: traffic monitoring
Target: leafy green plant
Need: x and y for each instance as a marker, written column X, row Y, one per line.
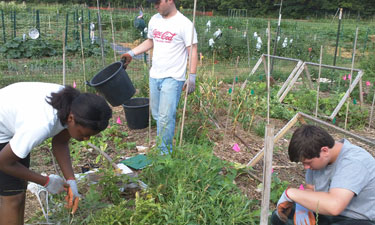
column 88, row 49
column 110, row 184
column 191, row 184
column 19, row 48
column 277, row 188
column 113, row 214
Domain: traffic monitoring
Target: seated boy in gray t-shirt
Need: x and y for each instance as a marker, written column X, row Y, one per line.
column 340, row 181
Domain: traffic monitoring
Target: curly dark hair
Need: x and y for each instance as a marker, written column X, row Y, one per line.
column 89, row 110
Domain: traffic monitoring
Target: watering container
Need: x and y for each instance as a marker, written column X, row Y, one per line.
column 113, row 83
column 136, row 112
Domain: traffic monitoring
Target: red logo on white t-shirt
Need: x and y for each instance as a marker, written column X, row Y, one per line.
column 166, row 36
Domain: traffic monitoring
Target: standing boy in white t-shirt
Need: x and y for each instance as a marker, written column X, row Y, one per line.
column 169, row 34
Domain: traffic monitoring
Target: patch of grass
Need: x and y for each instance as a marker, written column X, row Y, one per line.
column 190, row 186
column 260, row 128
column 195, row 187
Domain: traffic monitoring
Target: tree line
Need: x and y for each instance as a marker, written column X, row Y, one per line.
column 300, row 9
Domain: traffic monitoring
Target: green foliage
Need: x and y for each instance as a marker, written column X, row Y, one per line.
column 88, row 49
column 12, row 6
column 277, row 188
column 111, row 215
column 110, row 183
column 304, row 100
column 357, row 117
column 191, row 184
column 18, row 48
column 260, row 128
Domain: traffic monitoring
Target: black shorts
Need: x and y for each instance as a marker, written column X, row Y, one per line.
column 10, row 185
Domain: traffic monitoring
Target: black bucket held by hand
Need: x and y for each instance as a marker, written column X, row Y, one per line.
column 113, row 83
column 136, row 112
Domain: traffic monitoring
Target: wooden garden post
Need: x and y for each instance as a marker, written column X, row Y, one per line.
column 317, row 89
column 100, row 33
column 66, row 29
column 187, row 87
column 351, row 74
column 337, row 37
column 267, row 173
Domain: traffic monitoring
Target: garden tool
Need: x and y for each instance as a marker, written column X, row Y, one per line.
column 41, row 193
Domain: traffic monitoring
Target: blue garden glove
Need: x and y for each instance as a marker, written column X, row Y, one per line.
column 55, row 184
column 191, row 81
column 284, row 206
column 72, row 197
column 303, row 216
column 73, row 186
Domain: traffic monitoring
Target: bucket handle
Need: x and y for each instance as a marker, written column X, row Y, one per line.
column 122, row 61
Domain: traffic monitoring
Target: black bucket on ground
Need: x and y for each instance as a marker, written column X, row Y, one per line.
column 114, row 84
column 136, row 112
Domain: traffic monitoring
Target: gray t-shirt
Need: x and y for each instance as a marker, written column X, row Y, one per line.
column 354, row 170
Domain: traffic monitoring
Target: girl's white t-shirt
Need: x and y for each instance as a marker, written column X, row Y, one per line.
column 170, row 37
column 26, row 119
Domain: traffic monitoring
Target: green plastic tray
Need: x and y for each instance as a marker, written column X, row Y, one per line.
column 137, row 162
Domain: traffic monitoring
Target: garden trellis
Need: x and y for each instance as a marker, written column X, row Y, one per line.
column 237, row 12
column 302, row 67
column 299, row 117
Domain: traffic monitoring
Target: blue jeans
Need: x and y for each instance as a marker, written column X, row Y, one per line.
column 164, row 97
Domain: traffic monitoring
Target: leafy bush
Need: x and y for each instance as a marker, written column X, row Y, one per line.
column 19, row 48
column 88, row 49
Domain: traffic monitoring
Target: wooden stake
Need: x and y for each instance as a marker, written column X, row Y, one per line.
column 103, row 154
column 187, row 87
column 231, row 100
column 267, row 173
column 351, row 74
column 372, row 111
column 113, row 39
column 268, row 71
column 247, row 43
column 317, row 89
column 83, row 56
column 277, row 137
column 63, row 58
column 100, row 32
